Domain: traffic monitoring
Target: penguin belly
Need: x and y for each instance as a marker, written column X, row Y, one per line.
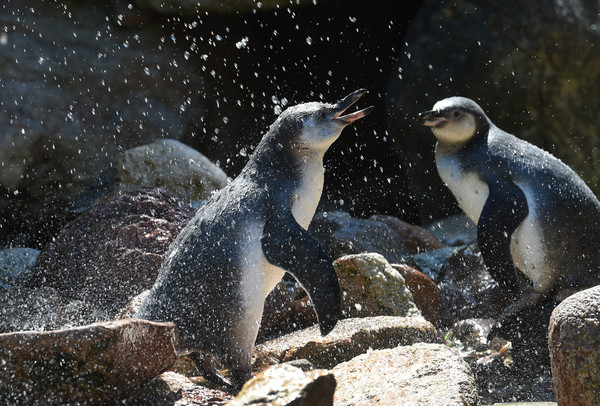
column 527, row 242
column 528, row 247
column 259, row 277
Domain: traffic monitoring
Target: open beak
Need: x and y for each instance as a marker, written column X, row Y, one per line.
column 432, row 118
column 345, row 103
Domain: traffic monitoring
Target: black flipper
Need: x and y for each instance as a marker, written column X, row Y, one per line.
column 504, row 210
column 287, row 245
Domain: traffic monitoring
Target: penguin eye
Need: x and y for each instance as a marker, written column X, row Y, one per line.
column 456, row 113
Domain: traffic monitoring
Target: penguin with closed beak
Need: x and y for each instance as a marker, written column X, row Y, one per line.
column 221, row 267
column 538, row 223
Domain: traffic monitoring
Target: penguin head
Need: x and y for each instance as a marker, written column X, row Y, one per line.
column 313, row 127
column 455, row 120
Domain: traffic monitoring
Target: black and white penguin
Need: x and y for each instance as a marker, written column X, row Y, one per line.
column 219, row 270
column 538, row 224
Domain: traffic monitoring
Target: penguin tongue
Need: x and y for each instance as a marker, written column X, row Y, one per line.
column 349, row 118
column 348, row 101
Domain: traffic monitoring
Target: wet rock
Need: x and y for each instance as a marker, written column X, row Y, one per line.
column 472, row 333
column 574, row 340
column 288, row 385
column 95, row 364
column 518, row 53
column 370, row 286
column 170, row 164
column 427, row 374
column 466, row 288
column 348, row 339
column 454, row 230
column 425, row 293
column 171, row 388
column 16, row 265
column 416, row 239
column 340, row 234
column 23, row 309
column 113, row 252
column 92, row 90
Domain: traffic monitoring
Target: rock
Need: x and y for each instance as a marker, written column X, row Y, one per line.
column 340, row 234
column 370, row 286
column 416, row 239
column 96, row 364
column 113, row 252
column 78, row 91
column 518, row 53
column 425, row 293
column 574, row 341
column 16, row 265
column 348, row 339
column 170, row 164
column 465, row 286
column 420, row 374
column 287, row 385
column 23, row 309
column 454, row 230
column 171, row 388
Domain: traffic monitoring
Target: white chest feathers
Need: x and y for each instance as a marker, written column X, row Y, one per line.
column 470, row 191
column 306, row 197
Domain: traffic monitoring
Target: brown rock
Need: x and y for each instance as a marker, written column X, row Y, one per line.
column 286, row 385
column 348, row 339
column 425, row 292
column 574, row 340
column 113, row 251
column 95, row 364
column 415, row 239
column 421, row 374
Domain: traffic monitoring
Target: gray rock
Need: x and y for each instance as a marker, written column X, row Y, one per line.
column 287, row 385
column 348, row 339
column 574, row 340
column 16, row 265
column 96, row 364
column 341, row 234
column 431, row 262
column 525, row 62
column 170, row 164
column 421, row 374
column 23, row 309
column 454, row 230
column 370, row 286
column 76, row 92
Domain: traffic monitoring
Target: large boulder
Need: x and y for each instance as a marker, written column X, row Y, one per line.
column 170, row 164
column 96, row 364
column 529, row 65
column 420, row 374
column 76, row 91
column 114, row 251
column 351, row 337
column 574, row 340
